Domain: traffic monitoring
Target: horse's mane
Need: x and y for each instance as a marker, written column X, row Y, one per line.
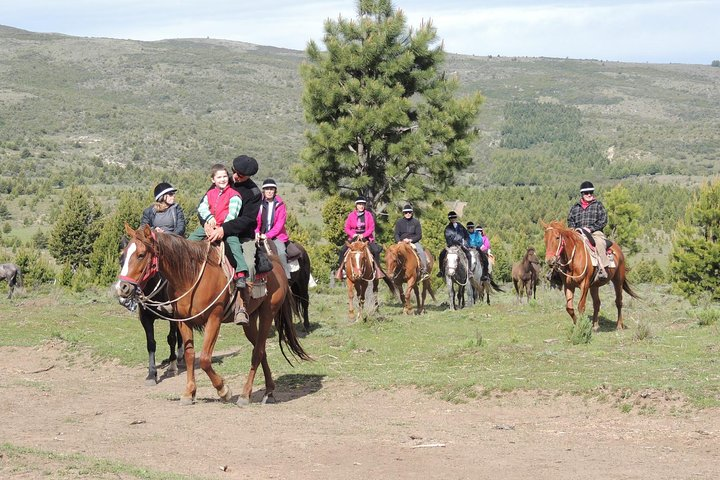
column 185, row 257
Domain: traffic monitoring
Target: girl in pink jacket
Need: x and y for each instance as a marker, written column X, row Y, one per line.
column 271, row 221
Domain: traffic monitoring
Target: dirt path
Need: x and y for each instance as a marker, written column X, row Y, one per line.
column 52, row 401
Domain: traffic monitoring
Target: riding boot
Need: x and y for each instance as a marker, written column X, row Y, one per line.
column 486, row 269
column 241, row 299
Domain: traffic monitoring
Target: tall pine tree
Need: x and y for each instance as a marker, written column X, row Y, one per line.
column 695, row 257
column 387, row 123
column 75, row 229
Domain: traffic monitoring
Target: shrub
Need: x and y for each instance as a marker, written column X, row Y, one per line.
column 647, row 271
column 581, row 332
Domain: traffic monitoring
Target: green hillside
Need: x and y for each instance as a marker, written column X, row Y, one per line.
column 94, row 106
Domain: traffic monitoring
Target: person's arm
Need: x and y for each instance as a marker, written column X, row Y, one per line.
column 179, row 222
column 204, row 209
column 601, row 219
column 279, row 219
column 350, row 226
column 485, row 244
column 146, row 220
column 234, row 208
column 418, row 232
column 397, row 232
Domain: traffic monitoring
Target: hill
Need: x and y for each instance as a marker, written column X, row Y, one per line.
column 123, row 111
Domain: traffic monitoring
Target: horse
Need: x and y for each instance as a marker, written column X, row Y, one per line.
column 359, row 273
column 568, row 257
column 403, row 267
column 481, row 287
column 299, row 263
column 457, row 272
column 13, row 275
column 200, row 287
column 525, row 274
column 154, row 305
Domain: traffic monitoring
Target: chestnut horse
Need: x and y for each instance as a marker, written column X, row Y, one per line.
column 568, row 257
column 359, row 272
column 202, row 299
column 525, row 275
column 403, row 267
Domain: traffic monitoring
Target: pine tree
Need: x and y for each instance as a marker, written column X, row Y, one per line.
column 623, row 219
column 387, row 123
column 75, row 229
column 104, row 257
column 695, row 257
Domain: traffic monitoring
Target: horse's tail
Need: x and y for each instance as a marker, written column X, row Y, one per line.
column 630, row 291
column 391, row 285
column 18, row 278
column 286, row 330
column 430, row 289
column 495, row 286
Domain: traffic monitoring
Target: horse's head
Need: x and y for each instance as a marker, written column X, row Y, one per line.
column 554, row 242
column 452, row 260
column 359, row 258
column 138, row 263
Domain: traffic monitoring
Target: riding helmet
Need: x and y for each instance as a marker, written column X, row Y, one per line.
column 452, row 214
column 269, row 183
column 586, row 187
column 407, row 208
column 470, row 225
column 162, row 189
column 360, row 199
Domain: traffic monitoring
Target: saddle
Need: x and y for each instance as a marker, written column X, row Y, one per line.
column 292, row 251
column 590, row 242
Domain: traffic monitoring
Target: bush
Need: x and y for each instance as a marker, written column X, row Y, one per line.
column 35, row 268
column 647, row 271
column 581, row 332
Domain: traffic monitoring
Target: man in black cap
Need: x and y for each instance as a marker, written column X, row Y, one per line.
column 589, row 216
column 409, row 230
column 244, row 225
column 455, row 234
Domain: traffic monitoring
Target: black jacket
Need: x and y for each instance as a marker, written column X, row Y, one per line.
column 457, row 235
column 408, row 228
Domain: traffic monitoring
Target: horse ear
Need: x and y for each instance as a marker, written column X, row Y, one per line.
column 147, row 231
column 543, row 224
column 130, row 232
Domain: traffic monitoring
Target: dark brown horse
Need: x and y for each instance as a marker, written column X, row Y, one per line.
column 202, row 299
column 568, row 257
column 299, row 263
column 403, row 267
column 525, row 275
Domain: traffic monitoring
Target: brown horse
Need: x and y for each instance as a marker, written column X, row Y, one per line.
column 359, row 273
column 568, row 257
column 525, row 274
column 403, row 267
column 202, row 299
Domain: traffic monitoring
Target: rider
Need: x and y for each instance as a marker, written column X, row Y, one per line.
column 243, row 226
column 589, row 216
column 271, row 221
column 479, row 242
column 455, row 234
column 409, row 230
column 164, row 215
column 360, row 225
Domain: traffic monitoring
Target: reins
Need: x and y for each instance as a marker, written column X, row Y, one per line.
column 559, row 265
column 147, row 302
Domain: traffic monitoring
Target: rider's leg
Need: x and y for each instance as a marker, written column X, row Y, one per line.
column 423, row 258
column 282, row 254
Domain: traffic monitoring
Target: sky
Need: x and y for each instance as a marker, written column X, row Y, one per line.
column 654, row 31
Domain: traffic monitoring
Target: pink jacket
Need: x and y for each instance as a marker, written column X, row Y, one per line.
column 486, row 244
column 351, row 225
column 277, row 229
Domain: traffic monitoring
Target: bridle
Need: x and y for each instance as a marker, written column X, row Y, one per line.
column 354, row 256
column 151, row 269
column 556, row 265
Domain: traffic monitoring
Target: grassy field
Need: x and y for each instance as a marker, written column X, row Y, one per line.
column 669, row 346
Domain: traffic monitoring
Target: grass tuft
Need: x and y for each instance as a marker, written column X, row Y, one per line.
column 581, row 332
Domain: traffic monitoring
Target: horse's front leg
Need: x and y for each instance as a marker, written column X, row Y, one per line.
column 411, row 287
column 188, row 397
column 148, row 322
column 419, row 304
column 351, row 300
column 595, row 294
column 376, row 299
column 256, row 332
column 617, row 284
column 451, row 293
column 210, row 336
column 569, row 294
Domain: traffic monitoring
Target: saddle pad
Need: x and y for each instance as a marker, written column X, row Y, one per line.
column 292, row 251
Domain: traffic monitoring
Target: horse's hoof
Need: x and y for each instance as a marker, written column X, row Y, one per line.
column 242, row 401
column 268, row 398
column 187, row 400
column 151, row 381
column 225, row 394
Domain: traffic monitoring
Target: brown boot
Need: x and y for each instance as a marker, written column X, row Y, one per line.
column 241, row 316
